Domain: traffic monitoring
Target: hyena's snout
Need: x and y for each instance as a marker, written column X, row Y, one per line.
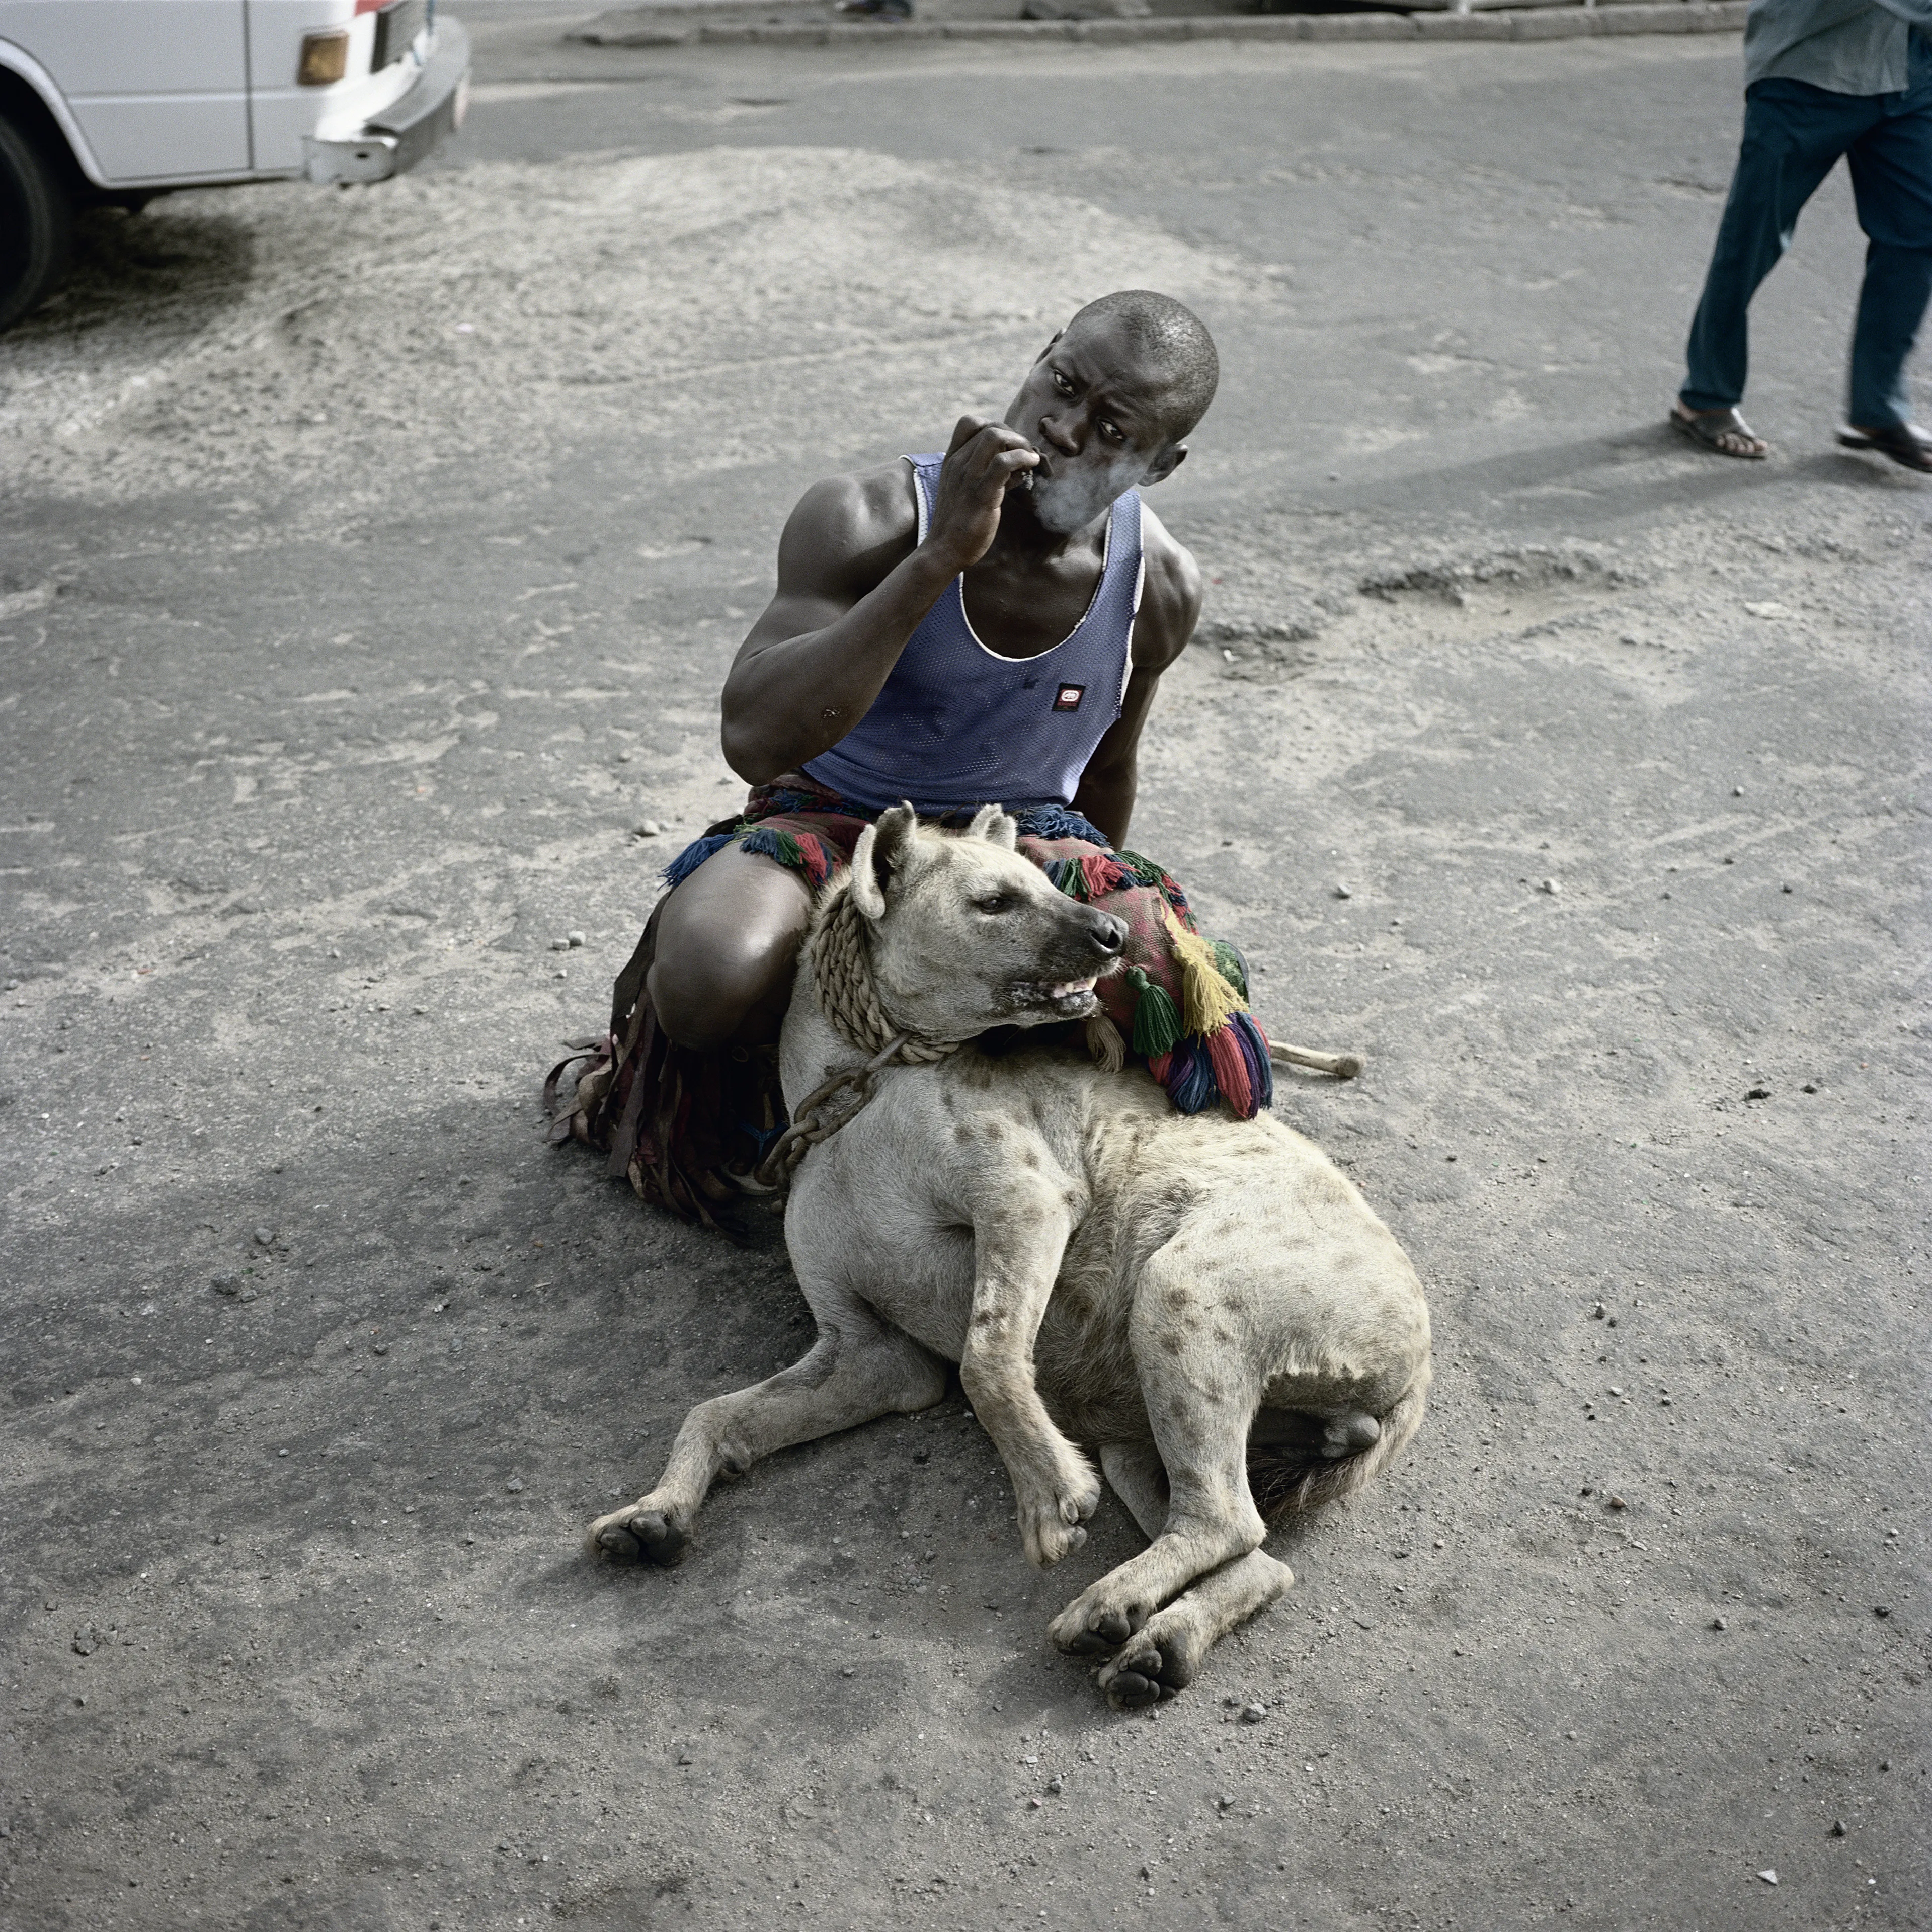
column 1096, row 939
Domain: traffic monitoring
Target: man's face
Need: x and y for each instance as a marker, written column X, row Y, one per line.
column 1093, row 410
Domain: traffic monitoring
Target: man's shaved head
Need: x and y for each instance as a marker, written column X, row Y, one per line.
column 1176, row 344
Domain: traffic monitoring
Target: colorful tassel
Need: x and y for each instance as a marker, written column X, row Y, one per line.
column 1157, row 1027
column 1051, row 822
column 1208, row 1001
column 1105, row 1043
column 817, row 862
column 1232, row 970
column 1189, row 1078
column 1254, row 1050
column 1230, row 1072
column 769, row 843
column 694, row 855
column 1142, row 871
column 1102, row 876
column 1067, row 876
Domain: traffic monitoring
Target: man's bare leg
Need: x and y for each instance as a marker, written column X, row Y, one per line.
column 727, row 942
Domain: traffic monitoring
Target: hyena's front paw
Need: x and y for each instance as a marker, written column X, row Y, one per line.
column 1159, row 1658
column 1053, row 1513
column 1100, row 1618
column 637, row 1533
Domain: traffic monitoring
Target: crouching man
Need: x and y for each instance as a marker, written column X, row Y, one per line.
column 986, row 626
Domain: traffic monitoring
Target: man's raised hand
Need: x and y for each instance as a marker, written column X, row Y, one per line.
column 981, row 464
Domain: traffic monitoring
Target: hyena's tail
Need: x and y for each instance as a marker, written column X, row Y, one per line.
column 1287, row 1480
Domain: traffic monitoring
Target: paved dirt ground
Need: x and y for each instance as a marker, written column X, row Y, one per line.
column 370, row 563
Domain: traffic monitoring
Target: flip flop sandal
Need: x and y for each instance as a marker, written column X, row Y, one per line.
column 1706, row 427
column 1904, row 443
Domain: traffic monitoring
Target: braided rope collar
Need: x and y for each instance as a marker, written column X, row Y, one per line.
column 841, row 968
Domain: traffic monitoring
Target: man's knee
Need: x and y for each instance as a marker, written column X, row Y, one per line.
column 727, row 943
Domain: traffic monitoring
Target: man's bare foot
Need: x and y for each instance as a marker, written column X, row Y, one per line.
column 1724, row 432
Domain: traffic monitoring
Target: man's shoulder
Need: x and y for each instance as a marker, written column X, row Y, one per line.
column 865, row 507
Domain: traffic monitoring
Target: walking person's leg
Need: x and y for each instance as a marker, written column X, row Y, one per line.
column 1794, row 134
column 1891, row 176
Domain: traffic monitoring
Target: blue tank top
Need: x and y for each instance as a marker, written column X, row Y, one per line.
column 957, row 724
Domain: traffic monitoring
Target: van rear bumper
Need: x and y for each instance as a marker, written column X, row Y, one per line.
column 409, row 131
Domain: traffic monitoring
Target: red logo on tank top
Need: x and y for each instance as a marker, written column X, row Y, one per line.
column 1069, row 696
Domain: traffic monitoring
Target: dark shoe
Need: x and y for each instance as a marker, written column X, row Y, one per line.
column 1904, row 443
column 1722, row 432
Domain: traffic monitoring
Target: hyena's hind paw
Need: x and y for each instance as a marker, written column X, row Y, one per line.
column 637, row 1534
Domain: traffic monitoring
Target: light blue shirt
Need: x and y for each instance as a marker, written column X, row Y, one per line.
column 1845, row 47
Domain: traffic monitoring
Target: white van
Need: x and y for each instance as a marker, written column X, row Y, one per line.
column 119, row 100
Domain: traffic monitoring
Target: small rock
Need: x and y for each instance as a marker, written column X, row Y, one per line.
column 1837, row 1827
column 1034, row 1803
column 1758, row 1094
column 86, row 1641
column 624, row 757
column 1881, row 1609
column 848, row 1673
column 379, row 1347
column 573, row 939
column 515, row 1485
column 1597, row 1313
column 1769, row 1877
column 559, row 946
column 684, row 1757
column 1807, row 1088
column 1552, row 887
column 1224, row 1802
column 265, row 1236
column 1718, row 1623
column 1771, row 610
column 1614, row 1503
column 647, row 828
column 225, row 1284
column 1253, row 1714
column 922, row 1455
column 1055, row 1786
column 1342, row 892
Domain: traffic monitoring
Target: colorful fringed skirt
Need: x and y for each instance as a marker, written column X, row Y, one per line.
column 680, row 1125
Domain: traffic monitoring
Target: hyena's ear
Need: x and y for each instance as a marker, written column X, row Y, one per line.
column 991, row 823
column 882, row 848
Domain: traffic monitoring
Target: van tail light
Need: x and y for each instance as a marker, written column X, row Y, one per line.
column 324, row 58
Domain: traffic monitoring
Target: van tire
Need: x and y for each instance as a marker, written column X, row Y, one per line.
column 36, row 223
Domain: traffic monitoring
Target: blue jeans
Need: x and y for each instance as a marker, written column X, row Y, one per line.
column 1794, row 134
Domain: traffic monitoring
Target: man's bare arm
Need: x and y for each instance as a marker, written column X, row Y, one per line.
column 853, row 587
column 1170, row 608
